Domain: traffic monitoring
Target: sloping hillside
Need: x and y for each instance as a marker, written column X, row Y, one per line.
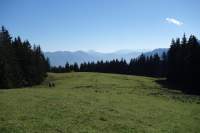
column 94, row 102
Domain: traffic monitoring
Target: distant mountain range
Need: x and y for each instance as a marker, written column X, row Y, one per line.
column 158, row 51
column 61, row 57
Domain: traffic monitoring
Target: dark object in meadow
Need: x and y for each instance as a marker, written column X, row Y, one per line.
column 51, row 84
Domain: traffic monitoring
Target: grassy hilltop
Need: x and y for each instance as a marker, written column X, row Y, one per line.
column 94, row 102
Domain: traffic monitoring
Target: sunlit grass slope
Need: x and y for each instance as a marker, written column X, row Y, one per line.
column 94, row 102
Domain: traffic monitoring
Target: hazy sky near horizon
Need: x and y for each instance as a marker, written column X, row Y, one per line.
column 101, row 25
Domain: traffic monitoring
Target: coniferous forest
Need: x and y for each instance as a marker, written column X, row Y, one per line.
column 20, row 63
column 180, row 65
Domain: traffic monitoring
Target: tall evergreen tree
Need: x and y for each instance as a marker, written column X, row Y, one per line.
column 20, row 64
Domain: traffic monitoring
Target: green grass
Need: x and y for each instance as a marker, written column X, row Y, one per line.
column 94, row 102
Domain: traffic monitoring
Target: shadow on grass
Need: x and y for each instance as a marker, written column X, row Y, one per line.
column 177, row 86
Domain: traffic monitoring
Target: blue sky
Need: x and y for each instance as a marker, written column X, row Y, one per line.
column 101, row 25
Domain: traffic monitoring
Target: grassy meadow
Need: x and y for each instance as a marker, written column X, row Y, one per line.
column 98, row 103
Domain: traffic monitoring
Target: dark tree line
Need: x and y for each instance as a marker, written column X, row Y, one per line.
column 143, row 65
column 67, row 68
column 149, row 65
column 181, row 65
column 184, row 63
column 114, row 66
column 20, row 63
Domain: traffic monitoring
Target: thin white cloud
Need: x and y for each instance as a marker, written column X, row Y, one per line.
column 174, row 21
